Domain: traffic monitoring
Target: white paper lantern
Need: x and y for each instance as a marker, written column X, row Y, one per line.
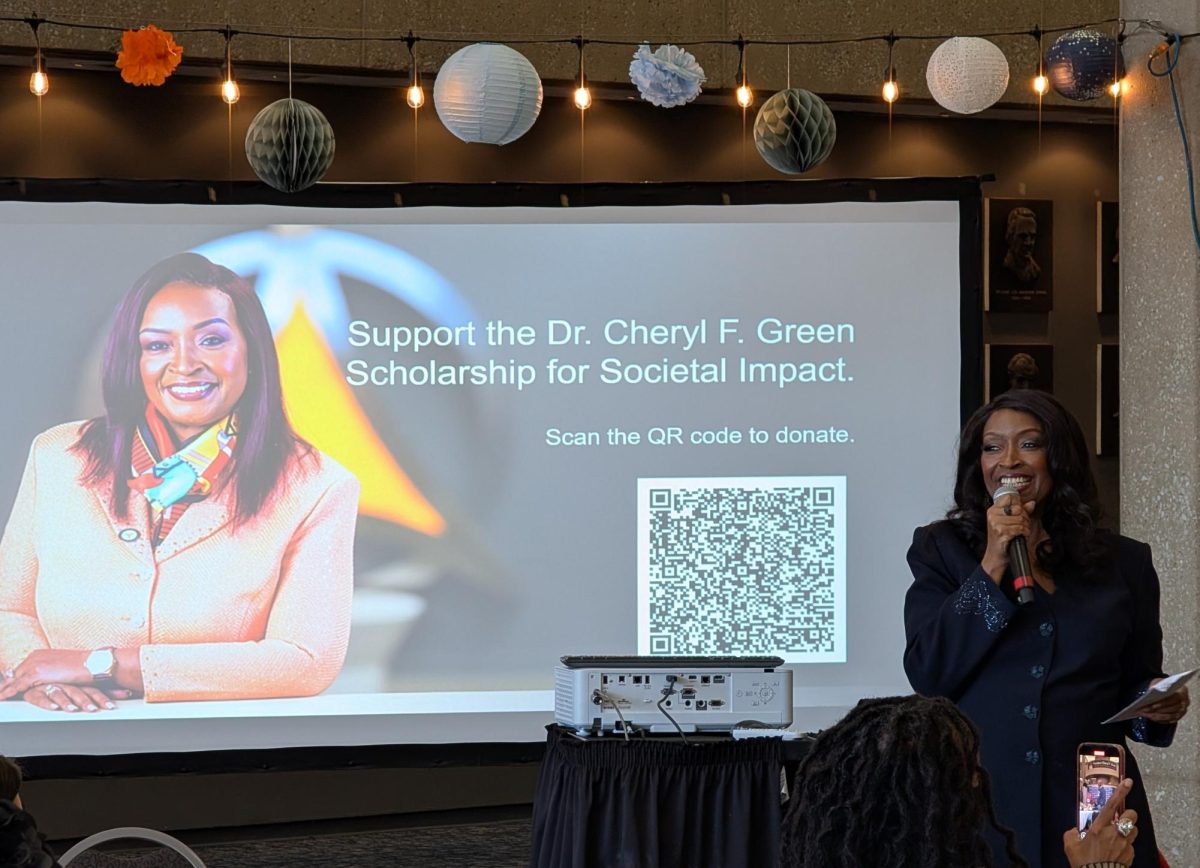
column 967, row 74
column 489, row 93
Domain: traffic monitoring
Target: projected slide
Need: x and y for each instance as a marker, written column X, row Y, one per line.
column 300, row 476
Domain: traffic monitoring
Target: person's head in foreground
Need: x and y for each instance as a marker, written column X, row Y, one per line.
column 1027, row 440
column 896, row 782
column 20, row 844
column 190, row 348
column 10, row 781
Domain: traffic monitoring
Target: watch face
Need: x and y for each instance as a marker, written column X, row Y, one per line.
column 100, row 663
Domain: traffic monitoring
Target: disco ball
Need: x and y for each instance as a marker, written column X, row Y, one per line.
column 1082, row 64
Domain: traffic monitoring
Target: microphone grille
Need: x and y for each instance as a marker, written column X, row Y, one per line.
column 1004, row 491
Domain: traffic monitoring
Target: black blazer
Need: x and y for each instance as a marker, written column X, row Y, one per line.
column 1038, row 679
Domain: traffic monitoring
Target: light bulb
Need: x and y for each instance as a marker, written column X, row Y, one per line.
column 745, row 96
column 583, row 98
column 230, row 91
column 39, row 83
column 414, row 96
column 1041, row 84
column 891, row 91
column 1117, row 88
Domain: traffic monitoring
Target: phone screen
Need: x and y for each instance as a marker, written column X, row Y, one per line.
column 1101, row 768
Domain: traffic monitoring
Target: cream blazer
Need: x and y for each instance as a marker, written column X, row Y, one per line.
column 219, row 612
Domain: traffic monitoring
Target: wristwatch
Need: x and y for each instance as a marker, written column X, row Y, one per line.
column 101, row 663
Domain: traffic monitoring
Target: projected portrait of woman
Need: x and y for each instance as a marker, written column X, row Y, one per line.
column 186, row 545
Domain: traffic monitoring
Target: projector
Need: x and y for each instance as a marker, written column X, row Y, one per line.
column 662, row 694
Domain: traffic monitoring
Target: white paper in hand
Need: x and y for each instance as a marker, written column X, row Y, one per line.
column 1159, row 691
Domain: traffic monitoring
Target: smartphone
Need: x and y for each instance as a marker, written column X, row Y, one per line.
column 1100, row 769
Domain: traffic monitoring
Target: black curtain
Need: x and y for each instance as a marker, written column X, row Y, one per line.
column 608, row 803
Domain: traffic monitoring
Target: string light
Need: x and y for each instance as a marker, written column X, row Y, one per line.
column 583, row 96
column 415, row 95
column 230, row 92
column 39, row 82
column 745, row 96
column 891, row 87
column 1041, row 84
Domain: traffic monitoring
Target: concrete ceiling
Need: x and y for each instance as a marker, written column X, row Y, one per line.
column 855, row 69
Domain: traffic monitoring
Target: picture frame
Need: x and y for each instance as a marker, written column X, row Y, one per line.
column 1108, row 264
column 1004, row 370
column 1108, row 400
column 1018, row 255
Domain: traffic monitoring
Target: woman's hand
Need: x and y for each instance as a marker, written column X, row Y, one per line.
column 46, row 666
column 72, row 698
column 1170, row 709
column 1007, row 519
column 1103, row 841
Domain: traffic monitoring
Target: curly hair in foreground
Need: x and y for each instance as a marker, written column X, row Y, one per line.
column 896, row 782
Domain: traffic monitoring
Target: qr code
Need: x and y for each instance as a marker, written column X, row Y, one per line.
column 737, row 566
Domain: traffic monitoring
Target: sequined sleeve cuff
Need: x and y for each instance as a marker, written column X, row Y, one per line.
column 980, row 597
column 1147, row 731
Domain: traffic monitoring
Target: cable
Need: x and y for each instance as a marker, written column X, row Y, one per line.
column 465, row 38
column 604, row 697
column 1170, row 48
column 666, row 694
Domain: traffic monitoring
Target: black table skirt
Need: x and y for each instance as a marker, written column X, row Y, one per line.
column 608, row 803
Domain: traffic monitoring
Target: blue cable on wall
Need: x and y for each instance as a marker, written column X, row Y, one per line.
column 1171, row 49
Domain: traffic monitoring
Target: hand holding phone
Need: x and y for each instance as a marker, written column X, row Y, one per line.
column 1100, row 770
column 1104, row 841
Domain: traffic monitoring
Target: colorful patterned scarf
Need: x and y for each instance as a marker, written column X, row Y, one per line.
column 171, row 476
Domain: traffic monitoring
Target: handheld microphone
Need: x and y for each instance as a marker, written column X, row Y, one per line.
column 1018, row 555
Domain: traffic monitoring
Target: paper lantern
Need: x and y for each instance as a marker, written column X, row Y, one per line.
column 967, row 74
column 289, row 145
column 487, row 93
column 1082, row 64
column 794, row 131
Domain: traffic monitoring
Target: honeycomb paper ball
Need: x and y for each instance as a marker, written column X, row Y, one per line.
column 1082, row 64
column 967, row 74
column 488, row 93
column 794, row 131
column 289, row 145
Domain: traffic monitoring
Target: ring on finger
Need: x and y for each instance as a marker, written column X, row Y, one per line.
column 1125, row 826
column 8, row 674
column 50, row 688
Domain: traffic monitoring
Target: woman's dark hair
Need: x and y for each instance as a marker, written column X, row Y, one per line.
column 20, row 844
column 895, row 782
column 1070, row 513
column 10, row 778
column 265, row 439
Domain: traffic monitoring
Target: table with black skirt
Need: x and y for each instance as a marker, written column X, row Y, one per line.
column 655, row 801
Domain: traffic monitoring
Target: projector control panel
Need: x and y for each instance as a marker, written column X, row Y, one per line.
column 593, row 700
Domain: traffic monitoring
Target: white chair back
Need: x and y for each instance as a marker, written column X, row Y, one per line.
column 160, row 838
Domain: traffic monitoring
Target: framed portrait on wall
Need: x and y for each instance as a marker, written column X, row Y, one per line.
column 1018, row 255
column 1108, row 403
column 1108, row 252
column 1017, row 366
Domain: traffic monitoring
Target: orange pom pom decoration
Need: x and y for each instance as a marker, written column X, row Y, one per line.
column 148, row 56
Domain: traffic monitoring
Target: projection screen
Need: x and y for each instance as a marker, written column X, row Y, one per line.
column 527, row 432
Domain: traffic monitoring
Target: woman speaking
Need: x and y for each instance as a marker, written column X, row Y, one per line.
column 1038, row 678
column 186, row 545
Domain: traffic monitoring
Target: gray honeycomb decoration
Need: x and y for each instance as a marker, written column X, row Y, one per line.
column 794, row 131
column 289, row 145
